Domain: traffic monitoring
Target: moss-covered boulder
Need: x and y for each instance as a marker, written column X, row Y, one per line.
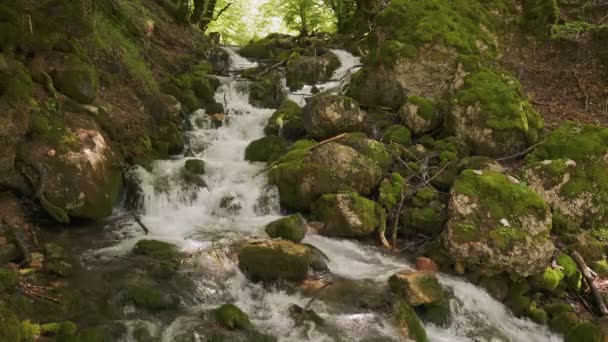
column 274, row 46
column 195, row 88
column 568, row 170
column 408, row 323
column 305, row 173
column 292, row 228
column 220, row 60
column 149, row 297
column 491, row 113
column 77, row 78
column 74, row 166
column 266, row 149
column 231, row 317
column 329, row 115
column 267, row 92
column 310, row 70
column 397, row 134
column 417, row 288
column 376, row 86
column 420, row 115
column 348, row 215
column 391, row 191
column 273, row 260
column 496, row 224
column 375, row 150
column 585, row 331
column 165, row 257
column 424, row 214
column 286, row 122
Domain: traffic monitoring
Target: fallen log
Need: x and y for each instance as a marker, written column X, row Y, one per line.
column 588, row 275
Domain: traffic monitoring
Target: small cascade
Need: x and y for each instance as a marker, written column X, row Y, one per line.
column 237, row 202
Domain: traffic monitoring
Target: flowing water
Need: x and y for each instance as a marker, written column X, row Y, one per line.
column 237, row 203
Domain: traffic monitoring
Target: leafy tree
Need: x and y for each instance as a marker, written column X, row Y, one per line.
column 304, row 16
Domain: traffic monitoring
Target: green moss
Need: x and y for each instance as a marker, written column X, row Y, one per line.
column 292, row 228
column 427, row 110
column 504, row 238
column 77, row 78
column 157, row 250
column 406, row 318
column 15, row 83
column 9, row 279
column 266, row 149
column 398, row 134
column 12, row 329
column 600, row 267
column 557, row 308
column 269, row 261
column 424, row 196
column 502, row 102
column 572, row 141
column 60, row 330
column 373, row 149
column 419, row 288
column 568, row 265
column 564, row 322
column 337, row 212
column 585, row 331
column 389, row 193
column 267, row 92
column 149, row 298
column 286, row 121
column 551, row 278
column 51, row 128
column 502, row 198
column 231, row 317
column 539, row 15
column 538, row 315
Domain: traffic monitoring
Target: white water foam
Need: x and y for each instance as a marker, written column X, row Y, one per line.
column 194, row 218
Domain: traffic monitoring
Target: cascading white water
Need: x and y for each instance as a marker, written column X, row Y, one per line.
column 238, row 202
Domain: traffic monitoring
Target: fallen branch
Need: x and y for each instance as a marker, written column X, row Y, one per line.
column 141, row 224
column 522, row 153
column 374, row 106
column 312, row 300
column 35, row 293
column 587, row 273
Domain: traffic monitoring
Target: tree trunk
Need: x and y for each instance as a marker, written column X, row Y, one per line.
column 208, row 14
column 197, row 13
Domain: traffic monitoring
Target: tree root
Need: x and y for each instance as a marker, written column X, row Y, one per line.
column 588, row 275
column 56, row 212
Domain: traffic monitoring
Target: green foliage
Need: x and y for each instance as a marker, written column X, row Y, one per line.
column 303, row 16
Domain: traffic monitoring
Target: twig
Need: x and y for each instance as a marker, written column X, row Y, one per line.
column 141, row 224
column 307, row 307
column 589, row 278
column 26, row 290
column 522, row 153
column 396, row 218
column 222, row 11
column 374, row 106
column 580, row 86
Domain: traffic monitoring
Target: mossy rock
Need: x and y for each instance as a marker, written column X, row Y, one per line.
column 286, row 122
column 165, row 256
column 267, row 92
column 491, row 113
column 438, row 313
column 271, row 261
column 61, row 330
column 408, row 323
column 13, row 329
column 266, row 149
column 9, row 279
column 15, row 82
column 391, row 190
column 149, row 298
column 326, row 116
column 506, row 221
column 427, row 219
column 397, row 134
column 195, row 166
column 586, row 331
column 376, row 151
column 231, row 317
column 564, row 322
column 310, row 70
column 77, row 79
column 292, row 228
column 304, row 174
column 348, row 215
column 420, row 115
column 417, row 288
column 300, row 315
column 551, row 278
column 376, row 86
column 572, row 141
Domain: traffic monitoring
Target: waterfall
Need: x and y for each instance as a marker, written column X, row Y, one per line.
column 237, row 203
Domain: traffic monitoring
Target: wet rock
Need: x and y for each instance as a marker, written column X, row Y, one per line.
column 420, row 115
column 426, row 264
column 231, row 317
column 305, row 173
column 497, row 224
column 310, row 70
column 408, row 323
column 267, row 92
column 492, row 115
column 149, row 297
column 417, row 288
column 77, row 78
column 299, row 315
column 163, row 107
column 329, row 115
column 55, row 262
column 220, row 60
column 424, row 214
column 266, row 149
column 349, row 295
column 292, row 228
column 195, row 166
column 9, row 278
column 567, row 171
column 377, row 86
column 348, row 215
column 286, row 122
column 165, row 257
column 377, row 151
column 273, row 260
